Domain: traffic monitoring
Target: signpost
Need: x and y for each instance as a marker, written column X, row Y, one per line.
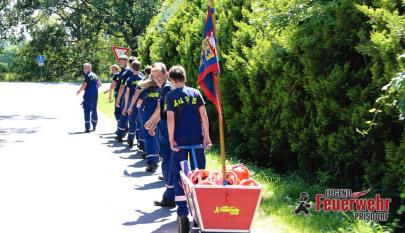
column 41, row 64
column 118, row 51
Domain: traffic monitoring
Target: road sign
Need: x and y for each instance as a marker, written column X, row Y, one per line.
column 41, row 60
column 118, row 51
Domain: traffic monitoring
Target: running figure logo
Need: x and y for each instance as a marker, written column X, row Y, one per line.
column 303, row 205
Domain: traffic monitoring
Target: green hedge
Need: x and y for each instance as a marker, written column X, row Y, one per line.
column 298, row 78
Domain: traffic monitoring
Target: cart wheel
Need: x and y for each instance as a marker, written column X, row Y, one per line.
column 183, row 224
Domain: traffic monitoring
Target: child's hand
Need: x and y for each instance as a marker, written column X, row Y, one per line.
column 110, row 99
column 207, row 142
column 124, row 111
column 151, row 132
column 117, row 104
column 173, row 145
column 78, row 92
column 129, row 111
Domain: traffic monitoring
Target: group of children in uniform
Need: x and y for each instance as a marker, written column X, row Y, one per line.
column 161, row 113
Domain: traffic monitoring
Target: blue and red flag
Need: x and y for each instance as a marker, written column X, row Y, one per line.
column 209, row 66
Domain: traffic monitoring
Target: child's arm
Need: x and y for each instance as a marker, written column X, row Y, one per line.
column 133, row 100
column 112, row 87
column 154, row 119
column 82, row 87
column 120, row 92
column 205, row 124
column 124, row 111
column 99, row 84
column 170, row 128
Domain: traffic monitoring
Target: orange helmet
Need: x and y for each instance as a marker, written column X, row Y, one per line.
column 248, row 182
column 198, row 176
column 241, row 171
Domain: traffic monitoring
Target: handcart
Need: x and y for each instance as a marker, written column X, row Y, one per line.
column 220, row 208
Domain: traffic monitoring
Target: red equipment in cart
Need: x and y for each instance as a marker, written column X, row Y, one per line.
column 220, row 208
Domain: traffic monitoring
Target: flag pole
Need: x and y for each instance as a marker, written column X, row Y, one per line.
column 219, row 110
column 221, row 132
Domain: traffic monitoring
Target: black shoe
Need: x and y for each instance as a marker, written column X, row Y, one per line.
column 119, row 139
column 87, row 131
column 150, row 167
column 183, row 224
column 130, row 145
column 143, row 155
column 94, row 128
column 165, row 203
column 160, row 178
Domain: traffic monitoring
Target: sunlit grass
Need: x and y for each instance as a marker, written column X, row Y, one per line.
column 104, row 105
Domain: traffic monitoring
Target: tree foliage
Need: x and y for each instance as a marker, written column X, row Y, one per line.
column 70, row 32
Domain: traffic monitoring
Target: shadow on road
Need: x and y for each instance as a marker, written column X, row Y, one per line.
column 137, row 155
column 9, row 134
column 159, row 215
column 25, row 117
column 140, row 163
column 149, row 186
column 124, row 150
column 170, row 227
column 106, row 134
column 76, row 133
column 9, row 131
column 136, row 174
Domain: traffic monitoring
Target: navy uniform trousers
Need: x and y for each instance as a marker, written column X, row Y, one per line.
column 132, row 119
column 123, row 121
column 165, row 153
column 178, row 160
column 90, row 109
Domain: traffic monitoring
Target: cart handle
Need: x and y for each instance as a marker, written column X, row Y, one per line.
column 192, row 148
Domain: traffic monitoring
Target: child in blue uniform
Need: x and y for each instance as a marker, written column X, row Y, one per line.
column 90, row 86
column 120, row 100
column 115, row 71
column 187, row 122
column 131, row 85
column 158, row 122
column 148, row 100
column 139, row 134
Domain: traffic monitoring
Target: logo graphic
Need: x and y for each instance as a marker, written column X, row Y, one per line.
column 303, row 205
column 344, row 200
column 227, row 209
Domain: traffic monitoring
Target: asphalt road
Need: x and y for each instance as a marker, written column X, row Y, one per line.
column 55, row 179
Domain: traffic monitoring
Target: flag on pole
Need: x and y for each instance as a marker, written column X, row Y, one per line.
column 209, row 66
column 208, row 76
column 118, row 51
